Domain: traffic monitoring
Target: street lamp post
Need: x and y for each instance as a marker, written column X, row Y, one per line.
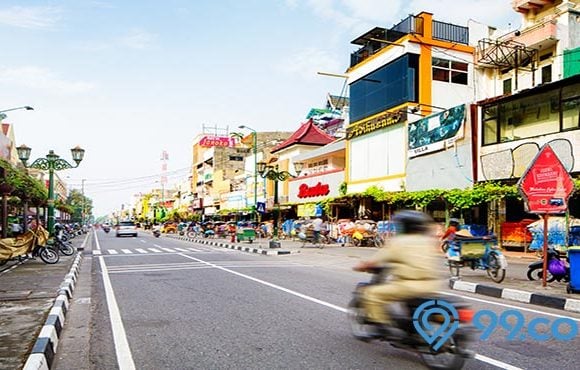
column 2, row 115
column 255, row 151
column 274, row 174
column 51, row 163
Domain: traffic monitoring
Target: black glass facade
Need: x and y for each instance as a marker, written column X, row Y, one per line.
column 391, row 85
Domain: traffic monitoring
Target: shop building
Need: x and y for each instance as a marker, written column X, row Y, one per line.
column 321, row 177
column 418, row 67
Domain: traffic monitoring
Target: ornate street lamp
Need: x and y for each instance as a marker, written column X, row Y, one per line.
column 2, row 115
column 273, row 173
column 51, row 163
column 255, row 152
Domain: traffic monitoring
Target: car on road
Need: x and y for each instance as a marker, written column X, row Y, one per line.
column 126, row 228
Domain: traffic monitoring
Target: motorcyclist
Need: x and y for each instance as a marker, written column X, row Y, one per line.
column 412, row 263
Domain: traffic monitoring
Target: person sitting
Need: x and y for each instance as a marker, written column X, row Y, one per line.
column 412, row 263
column 453, row 250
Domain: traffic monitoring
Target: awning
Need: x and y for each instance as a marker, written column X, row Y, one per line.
column 318, row 152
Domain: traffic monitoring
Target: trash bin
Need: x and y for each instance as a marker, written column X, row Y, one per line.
column 574, row 258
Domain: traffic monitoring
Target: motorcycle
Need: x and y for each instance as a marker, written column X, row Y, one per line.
column 33, row 244
column 156, row 233
column 106, row 229
column 557, row 268
column 403, row 334
column 64, row 247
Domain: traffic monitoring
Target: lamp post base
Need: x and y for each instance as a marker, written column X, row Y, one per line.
column 274, row 244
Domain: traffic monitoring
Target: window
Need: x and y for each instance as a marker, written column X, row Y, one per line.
column 449, row 71
column 236, row 158
column 547, row 74
column 570, row 107
column 507, row 86
column 540, row 114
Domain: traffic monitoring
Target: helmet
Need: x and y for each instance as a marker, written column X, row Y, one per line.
column 412, row 222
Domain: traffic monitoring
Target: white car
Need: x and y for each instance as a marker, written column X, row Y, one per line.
column 126, row 228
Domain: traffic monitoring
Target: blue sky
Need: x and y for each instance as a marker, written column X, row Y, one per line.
column 129, row 79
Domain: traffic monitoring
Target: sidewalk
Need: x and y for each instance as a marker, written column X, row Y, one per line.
column 27, row 293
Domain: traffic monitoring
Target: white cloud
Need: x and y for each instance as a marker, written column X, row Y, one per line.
column 42, row 79
column 138, row 39
column 306, row 63
column 35, row 17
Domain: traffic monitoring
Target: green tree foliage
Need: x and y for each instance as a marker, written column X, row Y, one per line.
column 76, row 200
column 24, row 186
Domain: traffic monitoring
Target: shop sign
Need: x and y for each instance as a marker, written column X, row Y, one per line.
column 197, row 203
column 546, row 185
column 309, row 210
column 436, row 131
column 377, row 123
column 225, row 141
column 318, row 190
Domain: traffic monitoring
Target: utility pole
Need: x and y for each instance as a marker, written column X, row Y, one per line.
column 83, row 202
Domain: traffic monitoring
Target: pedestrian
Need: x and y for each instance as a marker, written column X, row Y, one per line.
column 317, row 228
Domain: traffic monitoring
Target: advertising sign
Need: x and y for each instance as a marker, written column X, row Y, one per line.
column 436, row 131
column 546, row 185
column 320, row 189
column 376, row 123
column 209, row 141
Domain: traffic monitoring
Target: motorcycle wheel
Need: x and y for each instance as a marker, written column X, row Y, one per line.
column 48, row 255
column 3, row 262
column 356, row 242
column 444, row 247
column 356, row 320
column 495, row 272
column 537, row 274
column 66, row 249
column 444, row 360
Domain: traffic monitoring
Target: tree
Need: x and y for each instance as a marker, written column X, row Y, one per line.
column 77, row 201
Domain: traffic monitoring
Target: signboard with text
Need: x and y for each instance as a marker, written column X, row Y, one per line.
column 546, row 185
column 436, row 131
column 209, row 141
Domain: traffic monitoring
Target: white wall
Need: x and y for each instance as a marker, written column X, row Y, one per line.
column 333, row 180
column 378, row 154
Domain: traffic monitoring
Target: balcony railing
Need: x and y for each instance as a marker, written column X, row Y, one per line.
column 410, row 25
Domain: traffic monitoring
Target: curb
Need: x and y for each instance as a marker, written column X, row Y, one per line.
column 265, row 252
column 44, row 350
column 566, row 304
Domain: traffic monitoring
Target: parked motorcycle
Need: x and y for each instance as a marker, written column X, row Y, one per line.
column 403, row 334
column 32, row 243
column 557, row 268
column 63, row 247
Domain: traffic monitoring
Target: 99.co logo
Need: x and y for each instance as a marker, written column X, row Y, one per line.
column 513, row 321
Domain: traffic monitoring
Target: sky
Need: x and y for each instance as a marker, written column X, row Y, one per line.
column 128, row 79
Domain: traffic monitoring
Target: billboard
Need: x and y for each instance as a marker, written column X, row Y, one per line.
column 210, row 140
column 436, row 131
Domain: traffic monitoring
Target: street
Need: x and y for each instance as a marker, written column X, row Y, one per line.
column 159, row 303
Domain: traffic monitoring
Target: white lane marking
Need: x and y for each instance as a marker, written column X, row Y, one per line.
column 141, row 250
column 194, row 250
column 177, row 268
column 142, row 241
column 154, row 250
column 181, row 249
column 511, row 306
column 96, row 252
column 122, row 349
column 98, row 246
column 167, row 250
column 112, row 251
column 494, row 362
column 161, row 269
column 127, row 251
column 491, row 361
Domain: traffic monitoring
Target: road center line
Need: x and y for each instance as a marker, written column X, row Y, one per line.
column 479, row 357
column 124, row 356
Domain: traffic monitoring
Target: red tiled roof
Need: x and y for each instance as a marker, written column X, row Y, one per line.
column 5, row 127
column 307, row 134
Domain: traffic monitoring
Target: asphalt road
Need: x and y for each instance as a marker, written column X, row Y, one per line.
column 160, row 303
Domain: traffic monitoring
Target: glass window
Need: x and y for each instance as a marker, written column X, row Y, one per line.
column 436, row 62
column 547, row 74
column 490, row 131
column 530, row 116
column 441, row 74
column 507, row 86
column 459, row 77
column 460, row 66
column 571, row 114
